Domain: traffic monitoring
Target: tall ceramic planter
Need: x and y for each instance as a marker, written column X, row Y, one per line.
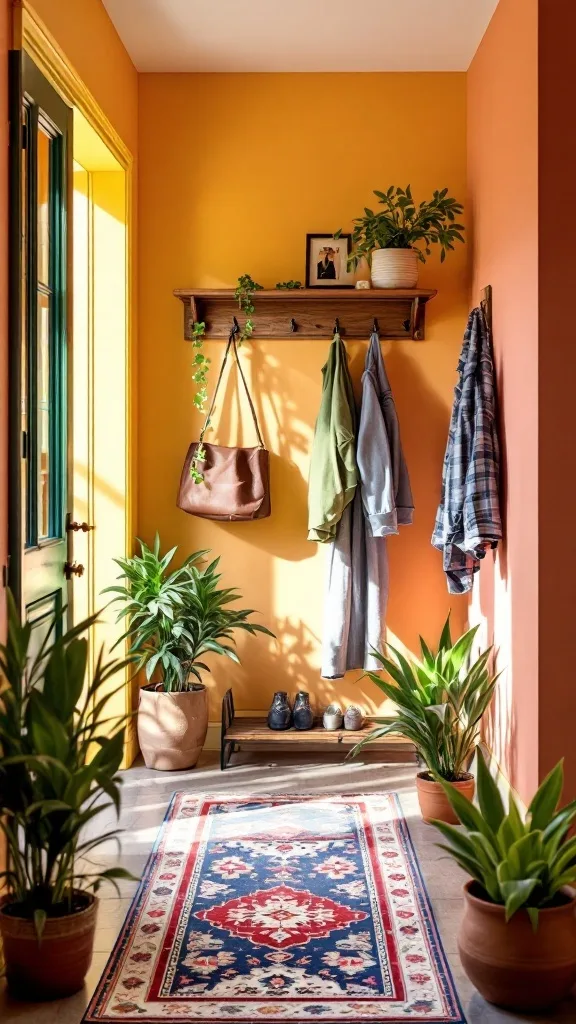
column 56, row 966
column 433, row 801
column 512, row 965
column 394, row 268
column 172, row 727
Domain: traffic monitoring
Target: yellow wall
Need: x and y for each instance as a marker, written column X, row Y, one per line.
column 234, row 170
column 87, row 36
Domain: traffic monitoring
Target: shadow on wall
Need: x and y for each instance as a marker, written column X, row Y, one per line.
column 419, row 601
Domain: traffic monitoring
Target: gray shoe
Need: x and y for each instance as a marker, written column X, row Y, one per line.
column 333, row 718
column 353, row 718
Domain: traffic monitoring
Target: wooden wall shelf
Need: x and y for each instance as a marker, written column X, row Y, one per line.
column 309, row 313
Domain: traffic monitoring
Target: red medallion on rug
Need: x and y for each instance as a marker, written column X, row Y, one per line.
column 288, row 908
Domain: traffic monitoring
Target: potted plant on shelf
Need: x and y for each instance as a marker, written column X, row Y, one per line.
column 175, row 619
column 393, row 240
column 50, row 723
column 441, row 700
column 517, row 940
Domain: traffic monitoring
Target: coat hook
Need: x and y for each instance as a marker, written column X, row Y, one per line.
column 293, row 325
column 375, row 328
column 235, row 328
column 336, row 326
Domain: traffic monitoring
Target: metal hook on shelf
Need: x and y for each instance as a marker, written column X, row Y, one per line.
column 375, row 328
column 235, row 330
column 293, row 326
column 336, row 326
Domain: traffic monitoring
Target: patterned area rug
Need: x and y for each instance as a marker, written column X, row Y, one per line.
column 279, row 908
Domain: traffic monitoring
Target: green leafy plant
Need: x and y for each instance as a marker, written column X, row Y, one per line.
column 289, row 284
column 244, row 293
column 201, row 365
column 440, row 699
column 517, row 863
column 403, row 224
column 175, row 618
column 50, row 724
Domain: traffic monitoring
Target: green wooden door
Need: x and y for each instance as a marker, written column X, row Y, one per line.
column 40, row 160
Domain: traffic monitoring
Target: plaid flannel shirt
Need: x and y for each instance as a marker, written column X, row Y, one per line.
column 468, row 518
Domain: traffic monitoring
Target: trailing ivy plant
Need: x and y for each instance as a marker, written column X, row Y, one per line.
column 404, row 224
column 289, row 284
column 244, row 292
column 201, row 365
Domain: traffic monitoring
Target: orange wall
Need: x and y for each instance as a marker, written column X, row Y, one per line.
column 557, row 373
column 234, row 170
column 502, row 86
column 84, row 31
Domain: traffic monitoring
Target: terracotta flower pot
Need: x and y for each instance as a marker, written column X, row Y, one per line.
column 434, row 802
column 172, row 727
column 57, row 965
column 509, row 963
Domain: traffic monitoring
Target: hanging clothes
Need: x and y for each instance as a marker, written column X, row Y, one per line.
column 385, row 484
column 333, row 471
column 468, row 520
column 357, row 574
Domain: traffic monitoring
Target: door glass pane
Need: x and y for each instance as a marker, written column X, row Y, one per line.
column 43, row 178
column 44, row 415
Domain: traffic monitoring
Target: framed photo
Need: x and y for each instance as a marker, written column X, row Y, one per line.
column 326, row 262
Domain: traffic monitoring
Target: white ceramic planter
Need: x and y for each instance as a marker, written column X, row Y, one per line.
column 394, row 268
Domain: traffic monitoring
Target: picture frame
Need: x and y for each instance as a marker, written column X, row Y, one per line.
column 327, row 261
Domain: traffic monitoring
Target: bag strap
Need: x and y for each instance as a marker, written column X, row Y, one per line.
column 232, row 343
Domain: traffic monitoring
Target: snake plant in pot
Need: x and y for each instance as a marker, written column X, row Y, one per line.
column 440, row 700
column 174, row 620
column 517, row 940
column 51, row 722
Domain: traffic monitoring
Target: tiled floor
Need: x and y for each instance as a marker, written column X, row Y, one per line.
column 145, row 797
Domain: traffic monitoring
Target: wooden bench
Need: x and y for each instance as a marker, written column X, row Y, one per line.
column 237, row 732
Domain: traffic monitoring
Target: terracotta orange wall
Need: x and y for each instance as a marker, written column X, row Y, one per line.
column 84, row 31
column 557, row 373
column 502, row 87
column 234, row 170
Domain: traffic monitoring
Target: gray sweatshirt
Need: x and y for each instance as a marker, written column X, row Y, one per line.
column 386, row 492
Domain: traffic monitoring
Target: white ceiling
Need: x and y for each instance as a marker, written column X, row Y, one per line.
column 301, row 35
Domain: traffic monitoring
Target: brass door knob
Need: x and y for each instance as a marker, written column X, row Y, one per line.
column 73, row 569
column 72, row 525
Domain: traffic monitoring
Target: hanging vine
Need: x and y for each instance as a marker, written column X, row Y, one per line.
column 201, row 363
column 200, row 368
column 244, row 292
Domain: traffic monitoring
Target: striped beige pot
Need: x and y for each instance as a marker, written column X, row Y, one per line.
column 172, row 727
column 394, row 268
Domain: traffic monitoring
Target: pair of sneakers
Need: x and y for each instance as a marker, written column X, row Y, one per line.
column 335, row 719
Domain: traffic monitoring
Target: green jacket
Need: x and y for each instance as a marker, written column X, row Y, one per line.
column 333, row 471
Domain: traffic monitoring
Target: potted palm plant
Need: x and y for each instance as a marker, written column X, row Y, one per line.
column 51, row 723
column 440, row 700
column 517, row 940
column 393, row 240
column 175, row 618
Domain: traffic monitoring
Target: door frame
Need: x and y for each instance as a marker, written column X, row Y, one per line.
column 29, row 33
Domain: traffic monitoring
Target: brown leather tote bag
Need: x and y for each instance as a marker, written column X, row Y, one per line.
column 236, row 485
